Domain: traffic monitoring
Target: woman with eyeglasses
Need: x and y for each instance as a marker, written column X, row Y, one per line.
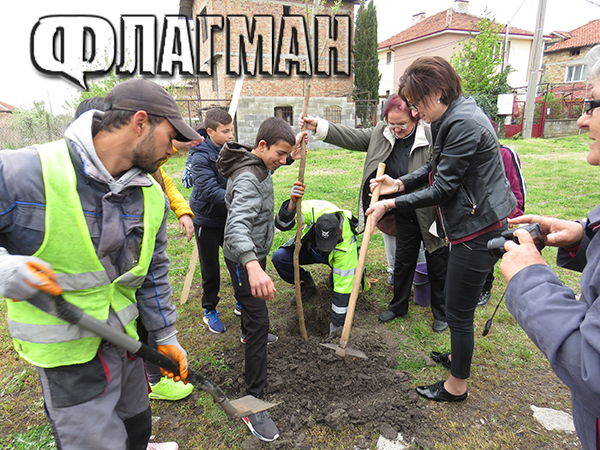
column 565, row 327
column 465, row 179
column 400, row 142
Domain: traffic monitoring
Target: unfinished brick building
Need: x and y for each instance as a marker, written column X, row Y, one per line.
column 268, row 39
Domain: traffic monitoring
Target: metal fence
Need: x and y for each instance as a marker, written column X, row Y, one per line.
column 13, row 135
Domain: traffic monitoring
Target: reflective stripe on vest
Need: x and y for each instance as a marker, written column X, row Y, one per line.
column 44, row 340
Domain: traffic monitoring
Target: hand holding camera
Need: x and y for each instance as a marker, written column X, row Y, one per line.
column 496, row 246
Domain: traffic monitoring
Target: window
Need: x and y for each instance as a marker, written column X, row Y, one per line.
column 286, row 113
column 333, row 114
column 575, row 52
column 389, row 57
column 575, row 73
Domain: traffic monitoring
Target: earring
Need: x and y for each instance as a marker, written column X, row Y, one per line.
column 438, row 100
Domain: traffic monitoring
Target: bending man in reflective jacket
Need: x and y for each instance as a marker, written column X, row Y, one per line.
column 327, row 239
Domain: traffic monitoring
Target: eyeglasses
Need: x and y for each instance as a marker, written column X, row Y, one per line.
column 402, row 126
column 590, row 105
column 414, row 105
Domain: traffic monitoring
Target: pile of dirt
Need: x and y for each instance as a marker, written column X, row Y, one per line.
column 315, row 386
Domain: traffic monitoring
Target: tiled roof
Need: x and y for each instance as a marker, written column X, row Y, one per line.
column 6, row 108
column 448, row 20
column 585, row 35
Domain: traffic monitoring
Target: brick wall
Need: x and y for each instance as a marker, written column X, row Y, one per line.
column 293, row 85
column 262, row 94
column 555, row 64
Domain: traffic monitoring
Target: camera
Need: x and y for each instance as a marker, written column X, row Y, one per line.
column 496, row 246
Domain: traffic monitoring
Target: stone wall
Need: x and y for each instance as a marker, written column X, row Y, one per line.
column 554, row 128
column 253, row 110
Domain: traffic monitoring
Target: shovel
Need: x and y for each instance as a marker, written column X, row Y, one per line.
column 58, row 307
column 342, row 349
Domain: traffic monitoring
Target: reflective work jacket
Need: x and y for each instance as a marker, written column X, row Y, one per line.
column 44, row 340
column 344, row 258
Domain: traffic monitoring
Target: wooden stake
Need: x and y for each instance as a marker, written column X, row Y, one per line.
column 299, row 223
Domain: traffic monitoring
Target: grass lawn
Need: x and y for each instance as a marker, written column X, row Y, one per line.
column 560, row 183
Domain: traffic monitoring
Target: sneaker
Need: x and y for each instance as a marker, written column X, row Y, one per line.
column 484, row 298
column 390, row 279
column 167, row 389
column 238, row 309
column 211, row 318
column 262, row 426
column 162, row 446
column 307, row 289
column 271, row 338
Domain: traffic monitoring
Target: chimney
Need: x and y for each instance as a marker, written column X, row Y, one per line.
column 416, row 18
column 461, row 6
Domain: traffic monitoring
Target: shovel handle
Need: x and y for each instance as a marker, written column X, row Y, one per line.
column 359, row 268
column 58, row 307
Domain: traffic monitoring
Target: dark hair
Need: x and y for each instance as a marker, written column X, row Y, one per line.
column 275, row 129
column 428, row 74
column 201, row 129
column 396, row 103
column 114, row 119
column 89, row 103
column 215, row 117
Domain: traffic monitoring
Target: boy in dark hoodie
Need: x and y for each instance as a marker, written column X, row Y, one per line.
column 248, row 238
column 207, row 202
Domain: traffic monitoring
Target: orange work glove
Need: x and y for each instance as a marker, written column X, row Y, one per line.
column 170, row 347
column 23, row 276
column 297, row 191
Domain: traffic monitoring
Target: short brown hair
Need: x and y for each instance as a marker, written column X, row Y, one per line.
column 215, row 117
column 275, row 129
column 429, row 74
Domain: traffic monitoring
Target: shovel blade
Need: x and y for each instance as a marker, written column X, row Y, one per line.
column 249, row 405
column 345, row 351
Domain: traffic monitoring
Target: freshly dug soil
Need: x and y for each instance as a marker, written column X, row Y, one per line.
column 315, row 386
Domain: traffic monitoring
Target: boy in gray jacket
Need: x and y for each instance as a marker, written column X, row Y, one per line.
column 248, row 238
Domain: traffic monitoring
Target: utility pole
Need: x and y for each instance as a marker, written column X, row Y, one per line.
column 533, row 71
column 506, row 34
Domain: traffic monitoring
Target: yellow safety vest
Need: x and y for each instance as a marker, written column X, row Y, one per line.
column 344, row 258
column 44, row 340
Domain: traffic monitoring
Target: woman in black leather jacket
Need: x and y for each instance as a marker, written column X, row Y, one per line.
column 468, row 184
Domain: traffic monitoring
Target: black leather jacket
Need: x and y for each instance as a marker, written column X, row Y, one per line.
column 468, row 179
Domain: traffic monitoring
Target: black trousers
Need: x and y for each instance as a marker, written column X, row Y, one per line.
column 209, row 240
column 408, row 242
column 468, row 266
column 255, row 323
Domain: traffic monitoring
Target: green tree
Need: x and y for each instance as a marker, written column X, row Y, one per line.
column 479, row 65
column 99, row 87
column 35, row 125
column 366, row 71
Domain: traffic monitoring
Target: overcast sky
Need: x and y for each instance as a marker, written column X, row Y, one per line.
column 21, row 83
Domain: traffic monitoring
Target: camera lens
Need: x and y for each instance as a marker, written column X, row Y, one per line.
column 496, row 247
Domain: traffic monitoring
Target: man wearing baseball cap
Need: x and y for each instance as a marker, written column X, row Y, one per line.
column 84, row 211
column 328, row 239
